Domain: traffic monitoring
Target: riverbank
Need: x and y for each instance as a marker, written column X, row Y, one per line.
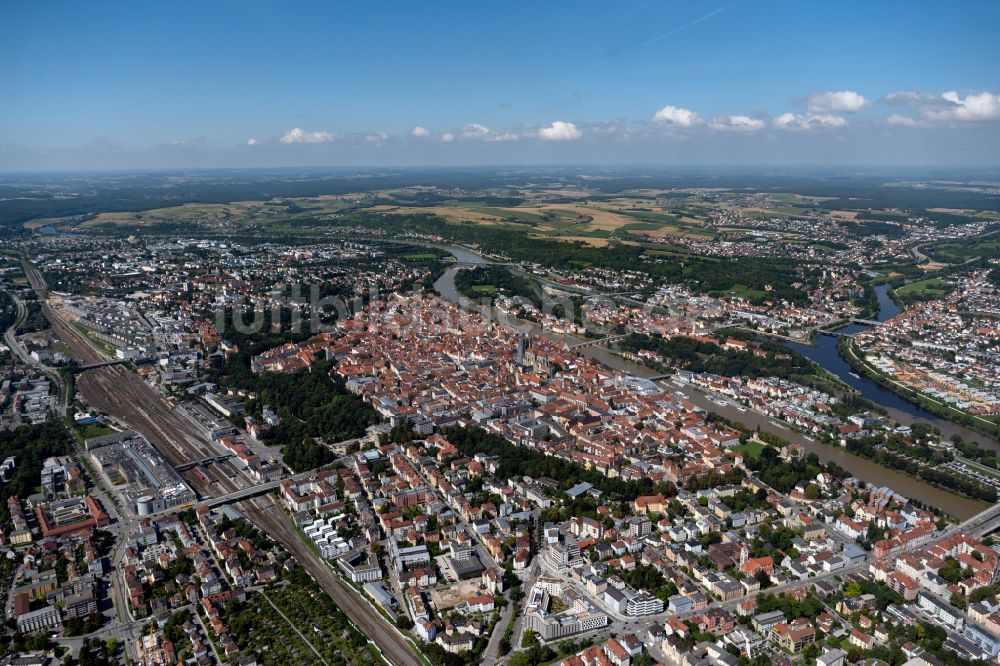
column 865, row 470
column 884, row 452
column 825, row 353
column 849, row 351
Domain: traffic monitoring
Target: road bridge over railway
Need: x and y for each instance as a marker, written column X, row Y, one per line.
column 101, row 364
column 220, row 500
column 204, row 461
column 239, row 495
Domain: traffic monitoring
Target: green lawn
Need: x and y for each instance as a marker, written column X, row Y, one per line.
column 485, row 289
column 743, row 291
column 750, row 449
column 925, row 289
column 94, row 430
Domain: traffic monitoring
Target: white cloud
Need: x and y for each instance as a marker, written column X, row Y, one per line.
column 479, row 132
column 618, row 129
column 844, row 101
column 674, row 115
column 184, row 143
column 792, row 121
column 980, row 107
column 736, row 123
column 559, row 131
column 475, row 131
column 298, row 135
column 908, row 98
column 784, row 120
column 376, row 137
column 503, row 136
column 948, row 106
column 904, row 121
column 419, row 131
column 251, row 142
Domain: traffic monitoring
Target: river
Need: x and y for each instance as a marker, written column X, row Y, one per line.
column 824, row 352
column 49, row 230
column 863, row 469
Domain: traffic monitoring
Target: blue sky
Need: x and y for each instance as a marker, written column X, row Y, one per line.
column 243, row 83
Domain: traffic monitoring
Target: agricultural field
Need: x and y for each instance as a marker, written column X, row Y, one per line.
column 457, row 214
column 276, row 214
column 594, row 223
column 209, row 215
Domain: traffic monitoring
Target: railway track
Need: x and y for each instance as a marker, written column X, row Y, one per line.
column 270, row 518
column 119, row 391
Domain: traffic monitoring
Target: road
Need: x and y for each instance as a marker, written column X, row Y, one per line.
column 10, row 337
column 917, row 253
column 492, row 651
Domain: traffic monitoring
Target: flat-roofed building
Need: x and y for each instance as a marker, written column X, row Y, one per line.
column 38, row 620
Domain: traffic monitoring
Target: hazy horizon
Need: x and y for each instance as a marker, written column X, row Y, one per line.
column 698, row 85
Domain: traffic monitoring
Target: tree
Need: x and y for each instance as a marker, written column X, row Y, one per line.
column 520, row 659
column 763, row 578
column 951, row 571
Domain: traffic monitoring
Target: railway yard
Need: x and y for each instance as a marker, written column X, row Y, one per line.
column 121, row 393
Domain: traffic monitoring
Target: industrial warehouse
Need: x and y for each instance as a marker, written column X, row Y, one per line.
column 147, row 481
